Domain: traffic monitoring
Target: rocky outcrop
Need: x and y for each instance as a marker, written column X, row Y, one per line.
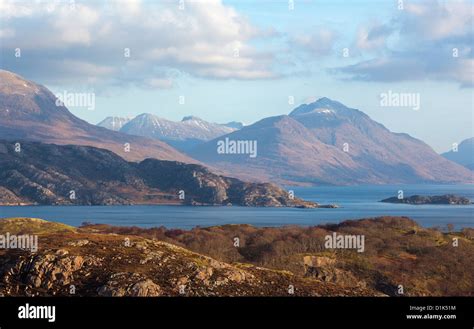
column 437, row 199
column 215, row 189
column 115, row 266
column 324, row 269
column 129, row 284
column 50, row 174
column 48, row 270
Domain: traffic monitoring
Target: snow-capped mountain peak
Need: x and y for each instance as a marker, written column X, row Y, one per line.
column 189, row 129
column 114, row 123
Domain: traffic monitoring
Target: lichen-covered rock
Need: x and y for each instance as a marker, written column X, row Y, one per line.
column 79, row 243
column 318, row 261
column 324, row 268
column 129, row 284
column 51, row 269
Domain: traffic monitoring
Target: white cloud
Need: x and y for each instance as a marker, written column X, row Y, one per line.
column 75, row 26
column 434, row 41
column 207, row 39
column 158, row 83
column 435, row 20
column 9, row 9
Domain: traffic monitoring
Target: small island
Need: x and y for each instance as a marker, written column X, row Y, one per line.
column 450, row 199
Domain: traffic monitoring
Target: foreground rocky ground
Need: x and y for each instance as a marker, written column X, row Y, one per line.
column 99, row 260
column 79, row 262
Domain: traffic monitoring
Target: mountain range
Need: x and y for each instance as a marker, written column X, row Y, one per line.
column 29, row 111
column 464, row 155
column 324, row 142
column 182, row 135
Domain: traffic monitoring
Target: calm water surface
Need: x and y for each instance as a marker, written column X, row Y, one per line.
column 356, row 202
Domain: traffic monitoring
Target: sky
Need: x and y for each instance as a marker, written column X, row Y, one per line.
column 246, row 60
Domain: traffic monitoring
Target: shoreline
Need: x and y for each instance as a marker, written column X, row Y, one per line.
column 441, row 228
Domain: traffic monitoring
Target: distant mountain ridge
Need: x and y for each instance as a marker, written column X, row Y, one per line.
column 29, row 111
column 234, row 124
column 326, row 142
column 464, row 155
column 114, row 123
column 183, row 135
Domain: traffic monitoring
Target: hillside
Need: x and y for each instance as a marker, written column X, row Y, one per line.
column 28, row 111
column 101, row 260
column 51, row 174
column 96, row 264
column 464, row 154
column 397, row 251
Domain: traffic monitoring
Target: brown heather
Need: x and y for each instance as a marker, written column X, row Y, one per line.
column 97, row 261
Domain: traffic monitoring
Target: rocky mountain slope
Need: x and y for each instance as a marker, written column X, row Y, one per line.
column 464, row 154
column 182, row 135
column 29, row 111
column 286, row 152
column 326, row 142
column 82, row 175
